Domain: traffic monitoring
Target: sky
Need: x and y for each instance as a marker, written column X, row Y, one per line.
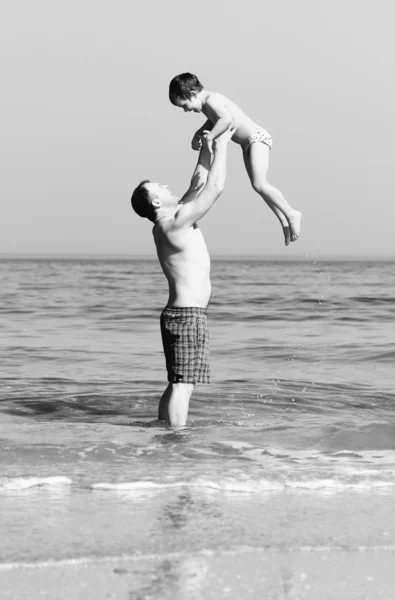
column 85, row 116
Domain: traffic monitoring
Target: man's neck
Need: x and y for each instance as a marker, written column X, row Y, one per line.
column 166, row 214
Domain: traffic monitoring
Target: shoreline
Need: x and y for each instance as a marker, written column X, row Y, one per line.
column 305, row 574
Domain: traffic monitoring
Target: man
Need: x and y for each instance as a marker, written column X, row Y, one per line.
column 185, row 261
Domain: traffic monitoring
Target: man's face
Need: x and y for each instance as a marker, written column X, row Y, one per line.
column 162, row 193
column 190, row 104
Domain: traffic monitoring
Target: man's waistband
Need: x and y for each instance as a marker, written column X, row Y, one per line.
column 184, row 310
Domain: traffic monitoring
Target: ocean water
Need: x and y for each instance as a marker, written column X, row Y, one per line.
column 300, row 412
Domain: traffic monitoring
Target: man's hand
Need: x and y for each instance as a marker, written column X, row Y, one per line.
column 197, row 140
column 208, row 143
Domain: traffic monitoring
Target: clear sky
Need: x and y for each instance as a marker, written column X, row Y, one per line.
column 85, row 116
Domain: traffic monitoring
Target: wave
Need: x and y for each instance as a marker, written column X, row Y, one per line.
column 24, row 483
column 238, row 486
column 206, row 553
column 381, row 357
column 374, row 300
column 231, row 485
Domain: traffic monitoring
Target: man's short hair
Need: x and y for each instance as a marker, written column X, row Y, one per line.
column 182, row 85
column 141, row 201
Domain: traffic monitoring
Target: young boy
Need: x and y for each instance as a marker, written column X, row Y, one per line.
column 188, row 93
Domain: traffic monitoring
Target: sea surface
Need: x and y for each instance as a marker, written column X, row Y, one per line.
column 300, row 411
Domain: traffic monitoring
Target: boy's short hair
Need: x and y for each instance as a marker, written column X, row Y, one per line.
column 141, row 201
column 182, row 85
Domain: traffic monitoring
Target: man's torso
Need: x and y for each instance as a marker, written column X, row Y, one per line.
column 185, row 261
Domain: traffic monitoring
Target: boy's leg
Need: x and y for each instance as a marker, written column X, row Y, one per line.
column 258, row 164
column 174, row 404
column 280, row 216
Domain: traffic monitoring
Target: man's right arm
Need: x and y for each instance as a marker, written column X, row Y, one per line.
column 192, row 211
column 200, row 174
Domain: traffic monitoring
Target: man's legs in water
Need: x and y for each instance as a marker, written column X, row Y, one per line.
column 174, row 404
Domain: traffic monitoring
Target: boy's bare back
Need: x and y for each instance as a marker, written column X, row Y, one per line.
column 216, row 103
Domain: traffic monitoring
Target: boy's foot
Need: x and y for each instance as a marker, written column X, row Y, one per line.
column 294, row 225
column 287, row 235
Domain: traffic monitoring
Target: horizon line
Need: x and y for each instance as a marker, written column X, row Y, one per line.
column 266, row 257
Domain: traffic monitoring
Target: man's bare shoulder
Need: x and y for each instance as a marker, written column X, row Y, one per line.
column 170, row 227
column 162, row 227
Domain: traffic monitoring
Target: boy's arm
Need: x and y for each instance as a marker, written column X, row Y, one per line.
column 192, row 211
column 207, row 126
column 217, row 106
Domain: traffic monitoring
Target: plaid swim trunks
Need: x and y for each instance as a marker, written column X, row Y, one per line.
column 186, row 344
column 260, row 135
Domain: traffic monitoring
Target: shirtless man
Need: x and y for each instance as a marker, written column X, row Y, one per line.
column 185, row 261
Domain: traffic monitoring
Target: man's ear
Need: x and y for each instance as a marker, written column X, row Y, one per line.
column 193, row 93
column 156, row 202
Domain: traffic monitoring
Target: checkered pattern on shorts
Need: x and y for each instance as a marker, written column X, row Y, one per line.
column 186, row 344
column 260, row 135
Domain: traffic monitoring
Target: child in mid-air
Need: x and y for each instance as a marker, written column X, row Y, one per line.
column 188, row 93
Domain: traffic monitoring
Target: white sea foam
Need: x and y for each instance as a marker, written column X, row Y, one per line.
column 24, row 483
column 206, row 552
column 228, row 485
column 233, row 485
column 236, row 485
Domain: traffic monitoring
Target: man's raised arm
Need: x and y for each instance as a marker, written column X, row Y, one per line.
column 195, row 208
column 199, row 177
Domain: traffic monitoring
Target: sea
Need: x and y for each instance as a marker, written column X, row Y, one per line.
column 291, row 446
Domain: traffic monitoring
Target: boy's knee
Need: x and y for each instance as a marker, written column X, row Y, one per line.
column 262, row 186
